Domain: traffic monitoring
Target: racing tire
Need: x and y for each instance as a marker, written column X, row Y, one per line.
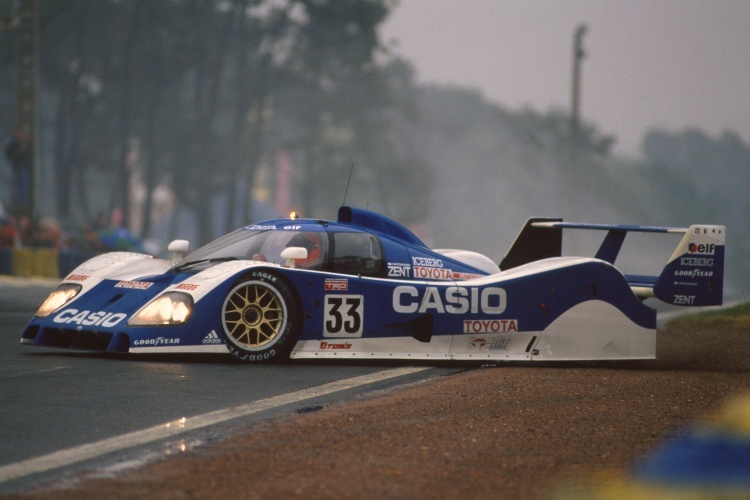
column 260, row 318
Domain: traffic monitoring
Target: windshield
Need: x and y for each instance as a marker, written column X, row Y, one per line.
column 262, row 245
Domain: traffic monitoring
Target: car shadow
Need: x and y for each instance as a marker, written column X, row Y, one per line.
column 723, row 348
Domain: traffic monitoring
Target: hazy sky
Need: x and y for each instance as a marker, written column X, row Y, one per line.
column 670, row 64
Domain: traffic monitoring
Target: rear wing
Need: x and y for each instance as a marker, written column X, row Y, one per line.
column 693, row 276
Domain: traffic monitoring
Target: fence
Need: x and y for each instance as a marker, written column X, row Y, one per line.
column 40, row 262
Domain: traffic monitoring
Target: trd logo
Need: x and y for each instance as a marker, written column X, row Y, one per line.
column 704, row 248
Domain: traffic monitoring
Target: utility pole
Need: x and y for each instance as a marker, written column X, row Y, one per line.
column 575, row 126
column 25, row 22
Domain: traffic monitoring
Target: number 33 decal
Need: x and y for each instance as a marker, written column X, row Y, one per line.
column 342, row 316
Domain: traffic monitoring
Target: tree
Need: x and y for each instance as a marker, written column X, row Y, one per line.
column 344, row 106
column 204, row 91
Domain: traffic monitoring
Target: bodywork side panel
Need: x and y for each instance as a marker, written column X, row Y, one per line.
column 507, row 316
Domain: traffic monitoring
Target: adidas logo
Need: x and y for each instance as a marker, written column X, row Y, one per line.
column 212, row 338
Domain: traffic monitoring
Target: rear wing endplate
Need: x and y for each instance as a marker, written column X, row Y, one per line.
column 693, row 276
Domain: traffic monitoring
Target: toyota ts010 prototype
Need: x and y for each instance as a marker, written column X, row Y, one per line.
column 364, row 286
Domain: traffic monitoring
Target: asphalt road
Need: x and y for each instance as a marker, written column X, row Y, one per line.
column 516, row 431
column 55, row 400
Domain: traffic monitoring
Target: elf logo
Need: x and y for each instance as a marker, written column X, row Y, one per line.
column 703, row 248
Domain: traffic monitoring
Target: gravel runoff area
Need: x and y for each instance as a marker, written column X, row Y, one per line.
column 505, row 431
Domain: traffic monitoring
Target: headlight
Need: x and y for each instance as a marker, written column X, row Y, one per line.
column 171, row 308
column 60, row 296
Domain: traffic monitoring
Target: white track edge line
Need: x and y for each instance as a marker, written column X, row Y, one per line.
column 88, row 451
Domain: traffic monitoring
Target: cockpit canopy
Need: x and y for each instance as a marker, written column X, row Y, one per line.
column 335, row 251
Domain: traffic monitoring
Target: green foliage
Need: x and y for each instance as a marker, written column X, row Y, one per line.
column 204, row 92
column 738, row 314
column 738, row 310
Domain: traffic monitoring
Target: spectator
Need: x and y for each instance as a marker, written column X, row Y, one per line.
column 8, row 233
column 18, row 152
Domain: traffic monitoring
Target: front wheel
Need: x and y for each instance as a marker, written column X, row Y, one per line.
column 260, row 318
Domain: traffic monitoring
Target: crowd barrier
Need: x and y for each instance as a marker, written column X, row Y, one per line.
column 40, row 262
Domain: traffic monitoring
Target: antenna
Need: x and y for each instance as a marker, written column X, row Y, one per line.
column 347, row 184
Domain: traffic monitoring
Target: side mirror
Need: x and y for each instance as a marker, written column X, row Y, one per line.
column 291, row 253
column 179, row 249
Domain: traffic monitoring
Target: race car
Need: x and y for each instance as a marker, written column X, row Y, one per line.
column 364, row 286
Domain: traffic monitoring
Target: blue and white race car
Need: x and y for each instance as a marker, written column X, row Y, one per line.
column 364, row 286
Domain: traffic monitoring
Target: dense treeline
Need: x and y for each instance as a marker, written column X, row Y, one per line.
column 203, row 94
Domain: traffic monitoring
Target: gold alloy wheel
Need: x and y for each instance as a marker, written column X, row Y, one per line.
column 254, row 315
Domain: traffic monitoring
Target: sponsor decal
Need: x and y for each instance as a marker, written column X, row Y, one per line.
column 490, row 325
column 696, row 261
column 337, row 284
column 292, row 228
column 465, row 276
column 211, row 338
column 693, row 273
column 703, row 248
column 77, row 277
column 452, row 300
column 335, row 346
column 157, row 341
column 398, row 270
column 426, row 262
column 189, row 287
column 88, row 318
column 136, row 285
column 270, row 277
column 260, row 228
column 478, row 343
column 481, row 344
column 435, row 273
column 684, row 300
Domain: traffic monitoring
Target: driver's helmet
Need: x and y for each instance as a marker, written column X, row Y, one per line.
column 311, row 242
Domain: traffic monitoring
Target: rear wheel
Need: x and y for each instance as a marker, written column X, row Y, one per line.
column 259, row 317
